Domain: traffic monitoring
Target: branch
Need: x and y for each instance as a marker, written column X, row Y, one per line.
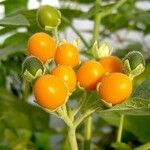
column 109, row 11
column 64, row 116
column 82, row 117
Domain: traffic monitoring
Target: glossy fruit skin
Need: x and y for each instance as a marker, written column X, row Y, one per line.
column 111, row 64
column 89, row 74
column 50, row 91
column 48, row 16
column 67, row 74
column 42, row 46
column 67, row 54
column 115, row 88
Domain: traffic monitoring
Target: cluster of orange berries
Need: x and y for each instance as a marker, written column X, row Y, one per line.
column 52, row 90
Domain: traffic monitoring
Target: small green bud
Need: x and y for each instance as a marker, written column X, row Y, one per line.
column 32, row 68
column 101, row 51
column 48, row 17
column 134, row 64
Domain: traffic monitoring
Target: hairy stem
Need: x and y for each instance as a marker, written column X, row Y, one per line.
column 96, row 32
column 119, row 135
column 72, row 138
column 26, row 90
column 63, row 114
column 88, row 126
column 55, row 32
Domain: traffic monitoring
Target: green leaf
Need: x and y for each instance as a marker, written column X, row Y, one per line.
column 93, row 11
column 31, row 16
column 121, row 146
column 11, row 49
column 143, row 90
column 143, row 147
column 91, row 102
column 6, row 30
column 83, row 1
column 17, row 114
column 122, row 18
column 142, row 17
column 15, row 5
column 104, row 10
column 41, row 140
column 70, row 14
column 4, row 147
column 137, row 125
column 145, row 75
column 16, row 38
column 17, row 20
column 6, row 95
column 139, row 104
column 133, row 106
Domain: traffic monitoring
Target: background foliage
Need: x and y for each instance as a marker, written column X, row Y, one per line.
column 26, row 126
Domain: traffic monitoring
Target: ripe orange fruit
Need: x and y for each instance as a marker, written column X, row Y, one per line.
column 115, row 88
column 42, row 46
column 50, row 91
column 89, row 74
column 67, row 74
column 112, row 64
column 67, row 54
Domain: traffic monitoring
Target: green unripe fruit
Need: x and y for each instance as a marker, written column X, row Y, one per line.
column 134, row 63
column 48, row 17
column 32, row 68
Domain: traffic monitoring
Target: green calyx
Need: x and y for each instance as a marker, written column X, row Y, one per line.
column 134, row 64
column 102, row 50
column 32, row 68
column 48, row 17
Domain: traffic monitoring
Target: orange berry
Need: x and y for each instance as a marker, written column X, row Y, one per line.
column 42, row 46
column 67, row 54
column 112, row 64
column 115, row 88
column 67, row 74
column 89, row 74
column 50, row 91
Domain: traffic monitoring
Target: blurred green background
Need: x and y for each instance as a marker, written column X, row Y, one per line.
column 23, row 125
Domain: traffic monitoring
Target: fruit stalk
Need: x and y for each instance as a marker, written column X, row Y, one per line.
column 119, row 135
column 55, row 32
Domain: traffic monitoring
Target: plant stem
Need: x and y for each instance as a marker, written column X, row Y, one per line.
column 72, row 138
column 88, row 126
column 97, row 21
column 119, row 135
column 96, row 32
column 63, row 114
column 116, row 6
column 26, row 90
column 55, row 32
